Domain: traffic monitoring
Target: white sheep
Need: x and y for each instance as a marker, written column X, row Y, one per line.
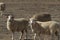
column 39, row 27
column 16, row 25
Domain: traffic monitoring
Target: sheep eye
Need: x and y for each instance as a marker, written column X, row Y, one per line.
column 9, row 20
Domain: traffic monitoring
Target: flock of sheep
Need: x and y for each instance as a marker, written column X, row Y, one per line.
column 39, row 23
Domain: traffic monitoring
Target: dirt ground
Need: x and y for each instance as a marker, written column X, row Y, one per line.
column 26, row 9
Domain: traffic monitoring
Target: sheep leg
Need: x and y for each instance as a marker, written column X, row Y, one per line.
column 21, row 36
column 34, row 36
column 12, row 36
column 58, row 34
column 52, row 34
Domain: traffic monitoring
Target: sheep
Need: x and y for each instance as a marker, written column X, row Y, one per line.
column 16, row 25
column 39, row 27
column 41, row 17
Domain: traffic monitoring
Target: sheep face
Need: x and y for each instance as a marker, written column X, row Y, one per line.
column 10, row 17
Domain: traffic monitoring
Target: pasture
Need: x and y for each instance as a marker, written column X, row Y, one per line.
column 26, row 9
